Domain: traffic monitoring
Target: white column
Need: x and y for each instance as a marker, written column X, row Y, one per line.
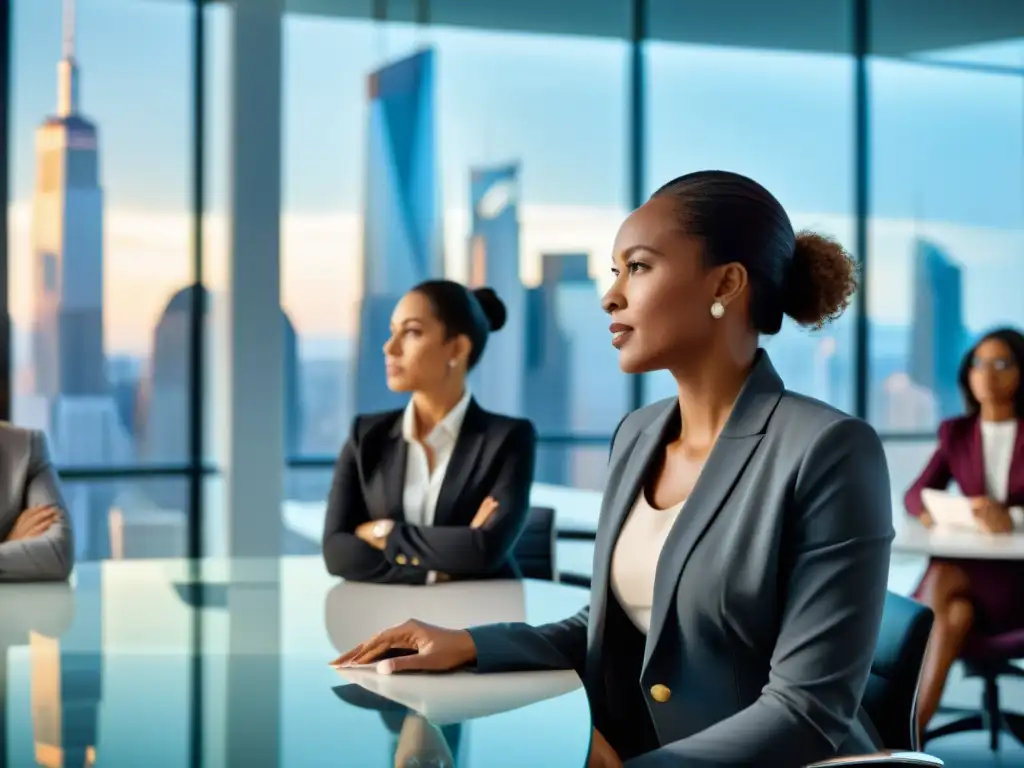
column 253, row 406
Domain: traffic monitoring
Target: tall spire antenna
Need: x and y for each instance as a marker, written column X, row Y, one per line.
column 69, row 30
column 67, row 68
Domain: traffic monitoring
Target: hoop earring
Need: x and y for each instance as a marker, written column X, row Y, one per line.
column 717, row 309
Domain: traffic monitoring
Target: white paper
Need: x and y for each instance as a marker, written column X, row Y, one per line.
column 949, row 511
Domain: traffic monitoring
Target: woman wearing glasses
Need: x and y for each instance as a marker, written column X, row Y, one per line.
column 983, row 453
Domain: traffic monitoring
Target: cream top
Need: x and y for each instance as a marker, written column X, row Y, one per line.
column 635, row 558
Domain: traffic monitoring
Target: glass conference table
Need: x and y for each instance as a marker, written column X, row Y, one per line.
column 225, row 663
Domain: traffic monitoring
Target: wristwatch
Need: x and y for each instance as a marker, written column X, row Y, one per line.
column 382, row 528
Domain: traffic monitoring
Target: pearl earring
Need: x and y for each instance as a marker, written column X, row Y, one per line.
column 451, row 363
column 717, row 309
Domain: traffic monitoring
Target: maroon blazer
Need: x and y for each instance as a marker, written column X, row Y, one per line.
column 960, row 457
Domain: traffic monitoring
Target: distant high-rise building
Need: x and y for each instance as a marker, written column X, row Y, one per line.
column 71, row 396
column 67, row 237
column 402, row 234
column 551, row 396
column 596, row 389
column 938, row 336
column 494, row 261
column 164, row 417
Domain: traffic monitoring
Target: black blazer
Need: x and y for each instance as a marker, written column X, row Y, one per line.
column 493, row 456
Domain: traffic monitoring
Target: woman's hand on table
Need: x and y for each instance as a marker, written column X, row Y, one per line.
column 435, row 649
column 991, row 516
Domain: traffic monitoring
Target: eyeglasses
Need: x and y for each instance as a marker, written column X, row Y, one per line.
column 997, row 364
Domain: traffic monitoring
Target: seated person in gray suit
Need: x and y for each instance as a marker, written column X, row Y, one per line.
column 742, row 551
column 35, row 533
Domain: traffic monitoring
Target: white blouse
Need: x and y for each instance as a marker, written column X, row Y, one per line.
column 635, row 559
column 423, row 484
column 998, row 440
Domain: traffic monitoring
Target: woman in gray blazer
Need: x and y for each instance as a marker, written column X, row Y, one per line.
column 742, row 552
column 36, row 542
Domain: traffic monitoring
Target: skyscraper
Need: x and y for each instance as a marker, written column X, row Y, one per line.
column 494, row 260
column 549, row 360
column 72, row 397
column 67, row 239
column 402, row 235
column 938, row 337
column 164, row 422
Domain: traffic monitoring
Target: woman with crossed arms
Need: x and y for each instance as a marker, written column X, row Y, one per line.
column 439, row 490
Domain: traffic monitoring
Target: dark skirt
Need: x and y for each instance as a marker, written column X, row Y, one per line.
column 617, row 701
column 997, row 593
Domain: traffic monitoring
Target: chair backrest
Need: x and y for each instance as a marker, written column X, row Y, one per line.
column 891, row 695
column 534, row 552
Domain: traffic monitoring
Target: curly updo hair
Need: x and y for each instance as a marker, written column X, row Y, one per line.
column 808, row 276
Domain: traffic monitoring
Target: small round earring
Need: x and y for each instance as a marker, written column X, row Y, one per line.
column 717, row 309
column 451, row 363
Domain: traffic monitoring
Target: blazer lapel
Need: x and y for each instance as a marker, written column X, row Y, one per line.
column 627, row 479
column 464, row 458
column 1015, row 487
column 388, row 491
column 728, row 459
column 974, row 461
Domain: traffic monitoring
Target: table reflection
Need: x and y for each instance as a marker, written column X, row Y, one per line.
column 64, row 687
column 416, row 742
column 167, row 663
column 431, row 717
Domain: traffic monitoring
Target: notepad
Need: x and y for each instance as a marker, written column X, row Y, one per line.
column 949, row 511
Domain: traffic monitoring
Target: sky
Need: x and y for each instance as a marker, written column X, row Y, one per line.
column 947, row 150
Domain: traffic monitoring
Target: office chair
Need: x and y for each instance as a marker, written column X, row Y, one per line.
column 989, row 657
column 534, row 552
column 890, row 698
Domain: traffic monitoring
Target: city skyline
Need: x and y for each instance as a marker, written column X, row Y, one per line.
column 565, row 204
column 417, row 225
column 986, row 287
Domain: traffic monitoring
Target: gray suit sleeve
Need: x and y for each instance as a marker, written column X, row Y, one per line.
column 48, row 557
column 837, row 563
column 520, row 647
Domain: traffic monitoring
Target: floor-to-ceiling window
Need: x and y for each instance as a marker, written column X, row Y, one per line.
column 506, row 130
column 99, row 259
column 530, row 130
column 946, row 227
column 766, row 90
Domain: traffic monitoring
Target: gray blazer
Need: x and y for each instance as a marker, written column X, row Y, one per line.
column 768, row 594
column 28, row 479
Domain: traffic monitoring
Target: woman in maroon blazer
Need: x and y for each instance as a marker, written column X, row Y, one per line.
column 983, row 453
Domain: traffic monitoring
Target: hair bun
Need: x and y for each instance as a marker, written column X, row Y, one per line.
column 493, row 307
column 822, row 279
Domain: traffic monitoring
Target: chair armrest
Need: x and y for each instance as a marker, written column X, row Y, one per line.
column 894, row 757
